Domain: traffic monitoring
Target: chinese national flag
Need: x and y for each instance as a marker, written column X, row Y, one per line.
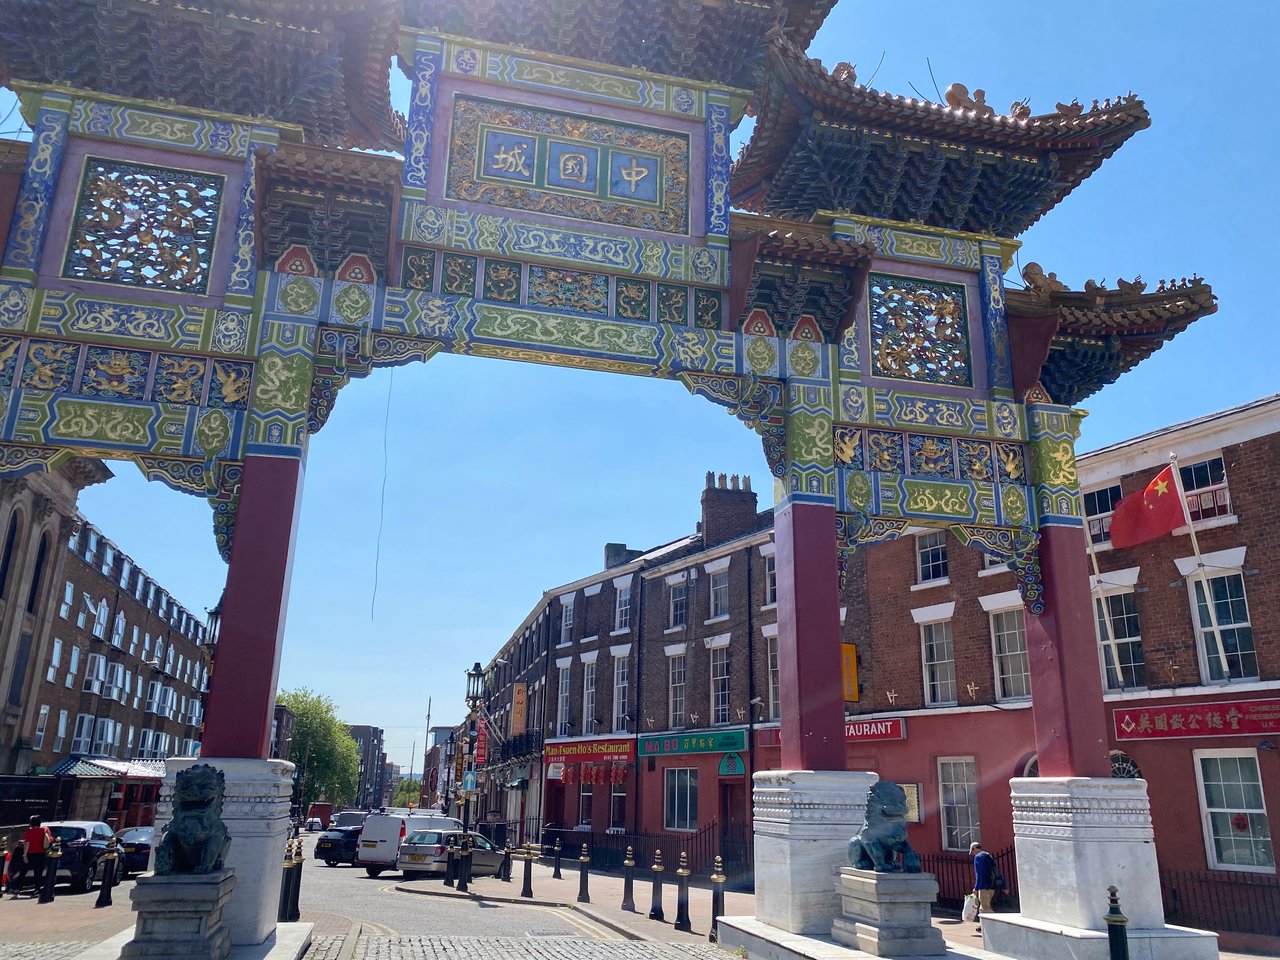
column 1144, row 516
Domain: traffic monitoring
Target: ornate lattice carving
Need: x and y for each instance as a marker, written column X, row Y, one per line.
column 919, row 330
column 144, row 226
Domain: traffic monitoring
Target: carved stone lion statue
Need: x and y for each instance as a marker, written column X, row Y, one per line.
column 883, row 836
column 196, row 839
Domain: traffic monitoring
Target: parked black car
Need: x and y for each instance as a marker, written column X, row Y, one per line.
column 135, row 850
column 338, row 845
column 83, row 844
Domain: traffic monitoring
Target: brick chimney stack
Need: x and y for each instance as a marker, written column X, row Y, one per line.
column 728, row 511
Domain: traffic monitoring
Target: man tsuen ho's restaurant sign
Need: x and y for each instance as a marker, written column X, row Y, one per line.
column 589, row 751
column 1228, row 718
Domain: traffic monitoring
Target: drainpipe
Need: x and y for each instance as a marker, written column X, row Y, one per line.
column 635, row 762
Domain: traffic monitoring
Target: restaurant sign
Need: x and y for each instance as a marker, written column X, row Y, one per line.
column 1227, row 718
column 589, row 751
column 725, row 741
column 855, row 731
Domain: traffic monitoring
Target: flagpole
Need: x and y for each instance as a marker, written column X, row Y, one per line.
column 1200, row 568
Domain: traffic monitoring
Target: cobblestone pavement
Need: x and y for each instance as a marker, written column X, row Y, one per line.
column 44, row 951
column 508, row 948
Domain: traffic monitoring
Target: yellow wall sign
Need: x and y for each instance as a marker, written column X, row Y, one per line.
column 849, row 660
column 519, row 708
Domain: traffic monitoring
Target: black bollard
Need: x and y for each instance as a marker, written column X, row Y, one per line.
column 682, row 895
column 527, row 889
column 464, row 865
column 655, row 909
column 295, row 897
column 108, row 874
column 628, row 881
column 584, row 863
column 504, row 871
column 1117, row 928
column 717, row 900
column 286, row 883
column 50, row 870
column 450, row 865
column 556, row 874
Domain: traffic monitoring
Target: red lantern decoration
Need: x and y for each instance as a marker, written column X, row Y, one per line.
column 1240, row 822
column 570, row 773
column 618, row 773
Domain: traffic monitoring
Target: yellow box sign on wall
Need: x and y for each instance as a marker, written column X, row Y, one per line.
column 849, row 660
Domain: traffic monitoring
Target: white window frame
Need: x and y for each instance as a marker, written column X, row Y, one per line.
column 677, row 692
column 1219, row 565
column 617, row 804
column 82, row 738
column 622, row 609
column 1206, row 818
column 926, row 617
column 566, row 621
column 42, row 722
column 586, row 798
column 927, row 543
column 73, row 665
column 720, row 685
column 588, row 695
column 965, row 834
column 684, row 817
column 1215, row 496
column 678, row 601
column 117, row 630
column 775, row 685
column 998, row 607
column 1098, row 525
column 1103, row 588
column 622, row 691
column 68, row 601
column 55, row 661
column 770, row 581
column 61, row 738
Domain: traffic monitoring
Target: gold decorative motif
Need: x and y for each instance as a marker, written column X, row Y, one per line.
column 573, row 167
column 111, row 373
column 234, row 383
column 48, row 365
column 511, row 159
column 633, row 174
column 179, row 379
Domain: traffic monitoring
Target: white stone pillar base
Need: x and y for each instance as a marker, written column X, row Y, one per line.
column 887, row 914
column 255, row 808
column 803, row 822
column 1075, row 837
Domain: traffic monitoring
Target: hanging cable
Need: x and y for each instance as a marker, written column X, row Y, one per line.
column 382, row 503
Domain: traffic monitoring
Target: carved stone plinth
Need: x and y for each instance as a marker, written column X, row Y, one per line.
column 803, row 822
column 887, row 914
column 1074, row 837
column 255, row 808
column 181, row 915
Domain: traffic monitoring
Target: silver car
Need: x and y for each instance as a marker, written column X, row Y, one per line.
column 425, row 853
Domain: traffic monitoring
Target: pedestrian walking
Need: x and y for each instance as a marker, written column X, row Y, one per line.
column 984, row 878
column 36, row 841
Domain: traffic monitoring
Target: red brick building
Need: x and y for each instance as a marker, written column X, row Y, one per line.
column 650, row 692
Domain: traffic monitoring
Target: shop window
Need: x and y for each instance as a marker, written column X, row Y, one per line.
column 1236, row 830
column 681, row 798
column 585, row 793
column 618, row 808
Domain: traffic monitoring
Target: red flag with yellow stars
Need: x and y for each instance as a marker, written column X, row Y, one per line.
column 1144, row 516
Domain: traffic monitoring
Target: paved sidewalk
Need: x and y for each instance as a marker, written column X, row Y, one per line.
column 70, row 917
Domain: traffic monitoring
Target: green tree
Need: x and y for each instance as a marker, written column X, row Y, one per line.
column 407, row 792
column 326, row 756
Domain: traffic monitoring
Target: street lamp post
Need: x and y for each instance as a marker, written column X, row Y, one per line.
column 475, row 696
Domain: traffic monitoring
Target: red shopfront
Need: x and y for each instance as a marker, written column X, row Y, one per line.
column 589, row 783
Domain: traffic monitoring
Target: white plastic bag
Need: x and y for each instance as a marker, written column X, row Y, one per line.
column 970, row 912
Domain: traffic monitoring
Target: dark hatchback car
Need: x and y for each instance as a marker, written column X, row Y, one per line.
column 83, row 844
column 338, row 845
column 135, row 850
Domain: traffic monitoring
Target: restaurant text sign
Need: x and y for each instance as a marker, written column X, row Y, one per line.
column 724, row 742
column 588, row 751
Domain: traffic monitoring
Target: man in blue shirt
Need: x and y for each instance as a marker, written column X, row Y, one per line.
column 984, row 878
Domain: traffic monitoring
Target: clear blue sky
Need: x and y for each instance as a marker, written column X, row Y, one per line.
column 504, row 479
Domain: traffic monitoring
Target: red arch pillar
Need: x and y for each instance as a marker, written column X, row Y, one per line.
column 242, row 693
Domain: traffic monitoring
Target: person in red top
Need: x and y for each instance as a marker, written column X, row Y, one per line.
column 36, row 841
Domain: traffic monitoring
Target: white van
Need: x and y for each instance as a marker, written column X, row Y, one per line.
column 380, row 839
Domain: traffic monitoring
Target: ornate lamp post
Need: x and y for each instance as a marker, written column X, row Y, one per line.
column 450, row 757
column 475, row 696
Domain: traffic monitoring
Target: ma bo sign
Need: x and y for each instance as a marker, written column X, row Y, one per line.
column 855, row 731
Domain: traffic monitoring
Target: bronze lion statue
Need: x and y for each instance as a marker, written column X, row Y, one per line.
column 883, row 837
column 196, row 839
